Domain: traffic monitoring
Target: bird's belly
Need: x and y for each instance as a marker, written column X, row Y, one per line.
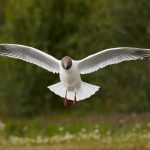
column 71, row 81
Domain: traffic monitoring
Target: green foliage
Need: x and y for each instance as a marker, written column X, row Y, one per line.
column 107, row 131
column 73, row 27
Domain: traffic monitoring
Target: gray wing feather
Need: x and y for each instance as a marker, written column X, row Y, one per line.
column 111, row 56
column 31, row 55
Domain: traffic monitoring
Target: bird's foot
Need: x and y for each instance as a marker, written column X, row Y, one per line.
column 65, row 100
column 75, row 100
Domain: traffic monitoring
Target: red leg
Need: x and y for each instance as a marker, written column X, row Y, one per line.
column 75, row 100
column 65, row 100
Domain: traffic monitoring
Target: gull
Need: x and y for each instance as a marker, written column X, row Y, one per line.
column 71, row 87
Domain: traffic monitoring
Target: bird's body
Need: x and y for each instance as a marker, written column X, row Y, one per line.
column 70, row 78
column 71, row 86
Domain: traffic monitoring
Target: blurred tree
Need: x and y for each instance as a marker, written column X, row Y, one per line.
column 73, row 27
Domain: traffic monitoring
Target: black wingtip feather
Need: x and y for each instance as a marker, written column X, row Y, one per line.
column 3, row 49
column 145, row 54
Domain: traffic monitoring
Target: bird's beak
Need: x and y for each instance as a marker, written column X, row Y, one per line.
column 65, row 66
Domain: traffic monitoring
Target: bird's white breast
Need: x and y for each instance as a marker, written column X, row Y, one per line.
column 70, row 78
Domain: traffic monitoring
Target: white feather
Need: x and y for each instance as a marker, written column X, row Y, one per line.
column 70, row 79
column 31, row 55
column 86, row 90
column 110, row 56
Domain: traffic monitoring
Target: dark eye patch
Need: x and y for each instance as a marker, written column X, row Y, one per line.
column 69, row 65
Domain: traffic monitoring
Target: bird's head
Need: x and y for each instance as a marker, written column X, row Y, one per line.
column 66, row 62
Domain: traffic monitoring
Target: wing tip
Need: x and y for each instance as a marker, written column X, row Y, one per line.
column 3, row 49
column 143, row 54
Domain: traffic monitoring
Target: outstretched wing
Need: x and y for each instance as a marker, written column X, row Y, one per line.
column 31, row 55
column 111, row 56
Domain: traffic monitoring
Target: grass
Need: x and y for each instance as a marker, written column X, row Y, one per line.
column 72, row 133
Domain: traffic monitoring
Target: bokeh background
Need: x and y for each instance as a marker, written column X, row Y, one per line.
column 76, row 28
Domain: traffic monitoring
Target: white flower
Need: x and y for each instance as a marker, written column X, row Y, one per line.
column 137, row 125
column 83, row 130
column 96, row 131
column 61, row 129
column 148, row 124
column 2, row 125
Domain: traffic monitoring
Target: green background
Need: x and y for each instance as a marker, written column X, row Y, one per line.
column 76, row 28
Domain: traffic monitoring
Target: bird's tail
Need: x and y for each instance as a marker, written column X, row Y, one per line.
column 86, row 90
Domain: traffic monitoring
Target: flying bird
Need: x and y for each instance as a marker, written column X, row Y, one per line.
column 71, row 87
